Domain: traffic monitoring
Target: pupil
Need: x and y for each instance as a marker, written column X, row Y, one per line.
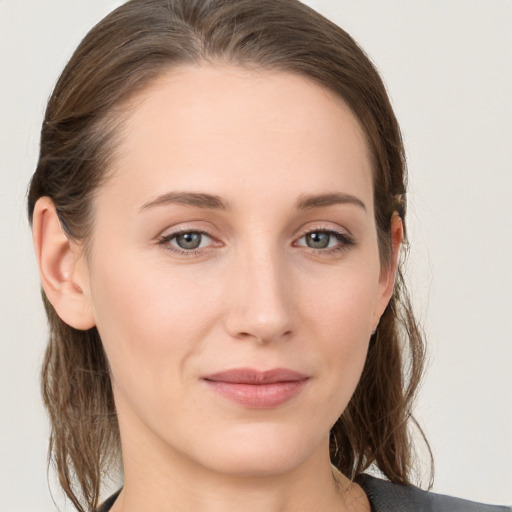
column 189, row 240
column 317, row 240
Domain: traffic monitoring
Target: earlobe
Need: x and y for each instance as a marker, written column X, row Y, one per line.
column 62, row 277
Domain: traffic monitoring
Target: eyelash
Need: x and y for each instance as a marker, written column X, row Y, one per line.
column 345, row 241
column 165, row 242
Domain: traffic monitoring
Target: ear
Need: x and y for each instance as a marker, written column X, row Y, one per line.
column 388, row 272
column 61, row 267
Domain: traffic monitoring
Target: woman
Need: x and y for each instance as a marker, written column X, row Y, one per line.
column 218, row 211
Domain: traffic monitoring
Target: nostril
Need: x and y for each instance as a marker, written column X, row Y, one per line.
column 262, row 337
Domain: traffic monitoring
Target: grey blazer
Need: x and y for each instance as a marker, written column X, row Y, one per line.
column 387, row 497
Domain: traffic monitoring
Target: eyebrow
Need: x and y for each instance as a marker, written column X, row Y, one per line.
column 199, row 200
column 214, row 202
column 308, row 202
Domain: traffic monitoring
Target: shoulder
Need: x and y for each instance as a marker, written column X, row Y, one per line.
column 388, row 497
column 107, row 504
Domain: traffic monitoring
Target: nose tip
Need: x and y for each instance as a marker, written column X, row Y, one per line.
column 260, row 308
column 263, row 330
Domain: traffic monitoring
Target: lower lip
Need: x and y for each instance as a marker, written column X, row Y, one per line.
column 258, row 396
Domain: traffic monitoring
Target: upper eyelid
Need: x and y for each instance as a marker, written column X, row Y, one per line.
column 299, row 234
column 170, row 236
column 325, row 229
column 170, row 232
column 217, row 235
column 207, row 232
column 186, row 230
column 339, row 234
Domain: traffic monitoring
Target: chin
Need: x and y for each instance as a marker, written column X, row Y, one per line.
column 257, row 450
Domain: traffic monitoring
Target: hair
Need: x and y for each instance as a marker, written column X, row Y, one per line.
column 119, row 58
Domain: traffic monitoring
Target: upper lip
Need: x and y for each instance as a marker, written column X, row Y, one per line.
column 253, row 376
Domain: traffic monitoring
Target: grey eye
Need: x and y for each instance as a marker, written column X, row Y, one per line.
column 318, row 240
column 186, row 243
column 188, row 240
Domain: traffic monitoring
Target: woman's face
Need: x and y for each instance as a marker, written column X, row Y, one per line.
column 234, row 275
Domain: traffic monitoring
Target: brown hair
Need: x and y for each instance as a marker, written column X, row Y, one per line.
column 121, row 56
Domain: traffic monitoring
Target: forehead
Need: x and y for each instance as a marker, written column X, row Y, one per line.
column 216, row 126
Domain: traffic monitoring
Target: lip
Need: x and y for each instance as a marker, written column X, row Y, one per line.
column 257, row 389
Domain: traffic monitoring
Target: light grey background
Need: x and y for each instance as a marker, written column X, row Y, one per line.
column 447, row 65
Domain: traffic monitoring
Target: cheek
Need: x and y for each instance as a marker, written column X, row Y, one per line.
column 339, row 316
column 341, row 303
column 150, row 319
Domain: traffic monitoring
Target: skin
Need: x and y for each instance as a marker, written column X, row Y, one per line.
column 254, row 293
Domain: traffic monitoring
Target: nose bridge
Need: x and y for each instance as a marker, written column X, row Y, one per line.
column 259, row 307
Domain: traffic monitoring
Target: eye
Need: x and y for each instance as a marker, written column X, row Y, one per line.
column 318, row 240
column 189, row 240
column 326, row 240
column 186, row 241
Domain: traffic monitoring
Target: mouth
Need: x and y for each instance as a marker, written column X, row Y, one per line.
column 257, row 389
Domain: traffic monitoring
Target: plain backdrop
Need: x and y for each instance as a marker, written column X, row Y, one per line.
column 448, row 68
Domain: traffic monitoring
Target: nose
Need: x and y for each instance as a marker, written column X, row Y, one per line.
column 259, row 306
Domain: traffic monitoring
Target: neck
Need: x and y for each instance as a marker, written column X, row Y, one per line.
column 161, row 478
column 165, row 483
